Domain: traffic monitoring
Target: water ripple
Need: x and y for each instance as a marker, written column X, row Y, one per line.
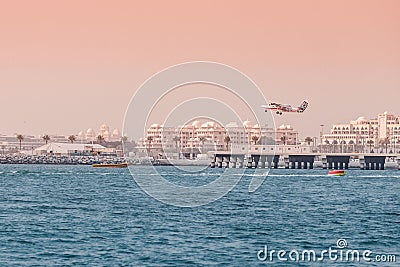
column 77, row 215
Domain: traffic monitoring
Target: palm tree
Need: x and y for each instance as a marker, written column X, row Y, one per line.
column 254, row 138
column 370, row 143
column 20, row 138
column 72, row 138
column 308, row 140
column 227, row 140
column 385, row 141
column 46, row 138
column 100, row 139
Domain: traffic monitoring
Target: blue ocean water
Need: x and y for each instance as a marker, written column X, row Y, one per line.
column 78, row 215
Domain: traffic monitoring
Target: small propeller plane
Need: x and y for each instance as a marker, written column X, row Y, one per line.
column 280, row 108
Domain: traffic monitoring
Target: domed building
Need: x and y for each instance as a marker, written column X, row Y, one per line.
column 105, row 132
column 362, row 134
column 90, row 135
column 116, row 135
column 247, row 124
column 106, row 135
column 81, row 136
column 196, row 124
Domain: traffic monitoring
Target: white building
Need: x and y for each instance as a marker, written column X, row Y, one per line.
column 200, row 137
column 364, row 135
column 64, row 149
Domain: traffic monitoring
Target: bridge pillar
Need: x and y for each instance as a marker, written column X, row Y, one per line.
column 330, row 166
column 276, row 161
column 375, row 162
column 219, row 161
column 239, row 161
column 212, row 164
column 232, row 162
column 293, row 165
column 324, row 162
column 286, row 160
column 367, row 165
column 341, row 165
column 335, row 164
column 298, row 164
column 256, row 160
column 249, row 161
column 362, row 162
column 225, row 161
column 346, row 165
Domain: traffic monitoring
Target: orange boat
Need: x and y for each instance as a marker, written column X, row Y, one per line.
column 110, row 165
column 336, row 173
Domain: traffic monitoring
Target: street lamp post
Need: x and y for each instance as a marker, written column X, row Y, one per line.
column 320, row 136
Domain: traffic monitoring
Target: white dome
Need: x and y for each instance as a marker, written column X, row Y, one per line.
column 104, row 127
column 155, row 125
column 247, row 124
column 361, row 119
column 283, row 126
column 90, row 134
column 196, row 124
column 116, row 132
column 208, row 124
column 81, row 134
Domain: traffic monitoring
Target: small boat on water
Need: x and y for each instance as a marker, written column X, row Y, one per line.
column 110, row 165
column 336, row 173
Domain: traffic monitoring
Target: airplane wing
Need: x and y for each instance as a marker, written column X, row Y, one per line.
column 272, row 106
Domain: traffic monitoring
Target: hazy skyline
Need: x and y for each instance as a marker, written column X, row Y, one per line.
column 66, row 66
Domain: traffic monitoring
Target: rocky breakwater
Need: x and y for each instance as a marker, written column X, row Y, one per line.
column 53, row 159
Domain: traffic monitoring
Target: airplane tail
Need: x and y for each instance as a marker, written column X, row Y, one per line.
column 303, row 106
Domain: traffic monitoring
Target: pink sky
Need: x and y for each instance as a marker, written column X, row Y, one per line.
column 69, row 65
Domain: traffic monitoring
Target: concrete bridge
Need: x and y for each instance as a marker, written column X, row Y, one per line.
column 227, row 159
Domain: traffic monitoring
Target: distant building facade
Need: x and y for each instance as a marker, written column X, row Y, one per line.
column 381, row 134
column 200, row 137
column 10, row 143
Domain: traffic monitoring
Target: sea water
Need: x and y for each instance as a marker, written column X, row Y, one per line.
column 79, row 215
